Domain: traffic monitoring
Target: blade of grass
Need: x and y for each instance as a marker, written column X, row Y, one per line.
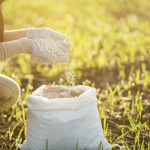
column 19, row 135
column 24, row 120
column 134, row 128
column 100, row 144
column 77, row 145
column 46, row 144
column 122, row 136
column 19, row 144
column 12, row 146
column 13, row 130
column 149, row 141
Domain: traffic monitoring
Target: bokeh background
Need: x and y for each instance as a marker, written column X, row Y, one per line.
column 110, row 51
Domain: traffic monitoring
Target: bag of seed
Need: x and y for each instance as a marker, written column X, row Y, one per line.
column 64, row 116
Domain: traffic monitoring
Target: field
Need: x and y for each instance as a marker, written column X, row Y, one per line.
column 110, row 51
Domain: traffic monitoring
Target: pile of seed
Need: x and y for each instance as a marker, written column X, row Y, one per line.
column 58, row 49
column 52, row 92
column 55, row 47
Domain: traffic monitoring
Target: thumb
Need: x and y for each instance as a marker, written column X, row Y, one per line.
column 48, row 56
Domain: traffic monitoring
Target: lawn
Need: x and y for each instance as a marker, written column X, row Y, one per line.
column 110, row 51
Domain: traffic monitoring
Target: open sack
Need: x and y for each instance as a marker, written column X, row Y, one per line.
column 63, row 121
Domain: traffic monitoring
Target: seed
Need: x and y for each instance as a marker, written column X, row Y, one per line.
column 58, row 49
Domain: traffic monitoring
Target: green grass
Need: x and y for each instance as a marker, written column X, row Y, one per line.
column 107, row 36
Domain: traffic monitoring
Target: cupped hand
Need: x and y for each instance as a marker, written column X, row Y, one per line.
column 44, row 32
column 43, row 57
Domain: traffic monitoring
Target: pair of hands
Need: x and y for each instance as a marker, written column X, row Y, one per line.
column 37, row 51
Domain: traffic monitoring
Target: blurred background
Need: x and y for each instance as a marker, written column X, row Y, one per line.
column 105, row 35
column 110, row 51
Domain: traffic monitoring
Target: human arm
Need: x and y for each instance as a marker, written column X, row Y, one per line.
column 15, row 47
column 28, row 45
column 31, row 33
column 25, row 46
column 11, row 35
column 16, row 42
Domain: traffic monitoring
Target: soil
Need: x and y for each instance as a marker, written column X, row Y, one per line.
column 102, row 78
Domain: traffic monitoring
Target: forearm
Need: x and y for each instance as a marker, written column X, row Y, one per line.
column 16, row 47
column 14, row 34
column 2, row 53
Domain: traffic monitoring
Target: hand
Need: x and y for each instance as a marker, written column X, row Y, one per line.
column 43, row 57
column 44, row 32
column 39, row 53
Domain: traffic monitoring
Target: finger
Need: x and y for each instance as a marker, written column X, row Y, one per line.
column 43, row 53
column 68, row 44
column 62, row 37
column 58, row 35
column 32, row 33
column 45, row 32
column 49, row 57
column 51, row 33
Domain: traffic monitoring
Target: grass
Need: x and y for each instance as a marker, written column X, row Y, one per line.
column 110, row 52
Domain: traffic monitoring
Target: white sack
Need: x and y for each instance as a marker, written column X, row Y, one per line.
column 63, row 121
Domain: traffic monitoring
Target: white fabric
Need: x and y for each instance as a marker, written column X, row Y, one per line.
column 38, row 53
column 44, row 32
column 63, row 121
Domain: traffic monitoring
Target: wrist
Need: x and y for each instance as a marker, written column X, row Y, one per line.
column 14, row 35
column 25, row 42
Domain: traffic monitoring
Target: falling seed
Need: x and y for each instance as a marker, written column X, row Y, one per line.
column 56, row 48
